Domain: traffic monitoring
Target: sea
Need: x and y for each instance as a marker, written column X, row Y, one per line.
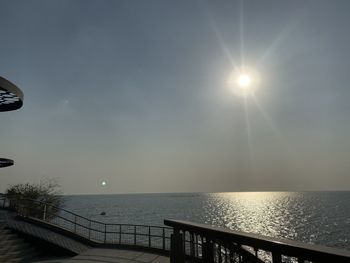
column 321, row 218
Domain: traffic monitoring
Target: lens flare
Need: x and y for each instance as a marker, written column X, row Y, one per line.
column 243, row 82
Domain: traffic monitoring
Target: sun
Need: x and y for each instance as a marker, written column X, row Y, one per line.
column 243, row 82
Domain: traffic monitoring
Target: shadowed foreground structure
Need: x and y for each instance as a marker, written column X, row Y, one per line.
column 20, row 242
column 95, row 241
column 11, row 98
column 118, row 255
column 16, row 248
column 213, row 244
column 4, row 162
column 86, row 244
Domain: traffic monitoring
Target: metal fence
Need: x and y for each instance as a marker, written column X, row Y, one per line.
column 153, row 237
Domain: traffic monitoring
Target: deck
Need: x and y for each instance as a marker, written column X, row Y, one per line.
column 85, row 253
column 106, row 255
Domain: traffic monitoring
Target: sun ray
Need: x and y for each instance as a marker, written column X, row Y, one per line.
column 241, row 31
column 222, row 44
column 267, row 118
column 249, row 133
column 276, row 43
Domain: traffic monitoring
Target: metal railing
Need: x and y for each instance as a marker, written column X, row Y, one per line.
column 186, row 241
column 98, row 233
column 192, row 242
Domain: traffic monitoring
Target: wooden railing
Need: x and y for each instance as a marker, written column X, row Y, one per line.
column 192, row 242
column 98, row 233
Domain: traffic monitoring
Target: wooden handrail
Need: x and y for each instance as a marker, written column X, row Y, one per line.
column 278, row 247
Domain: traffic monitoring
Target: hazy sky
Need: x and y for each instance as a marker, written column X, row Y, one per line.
column 135, row 93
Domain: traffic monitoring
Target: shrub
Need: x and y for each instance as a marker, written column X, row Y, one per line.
column 37, row 199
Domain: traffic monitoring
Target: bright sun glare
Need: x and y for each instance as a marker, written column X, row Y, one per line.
column 243, row 82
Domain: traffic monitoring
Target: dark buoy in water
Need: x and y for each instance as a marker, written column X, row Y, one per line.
column 103, row 213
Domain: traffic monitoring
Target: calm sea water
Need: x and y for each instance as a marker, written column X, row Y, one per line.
column 314, row 217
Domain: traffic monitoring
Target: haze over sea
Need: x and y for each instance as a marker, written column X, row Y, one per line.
column 315, row 217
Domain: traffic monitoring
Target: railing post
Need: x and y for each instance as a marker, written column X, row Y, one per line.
column 149, row 236
column 44, row 216
column 135, row 235
column 276, row 258
column 163, row 238
column 18, row 211
column 3, row 204
column 120, row 234
column 208, row 251
column 105, row 233
column 191, row 245
column 75, row 224
column 219, row 252
column 177, row 254
column 89, row 229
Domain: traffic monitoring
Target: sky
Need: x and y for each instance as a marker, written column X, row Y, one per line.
column 136, row 94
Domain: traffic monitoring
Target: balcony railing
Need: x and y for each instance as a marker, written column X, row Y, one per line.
column 186, row 241
column 156, row 238
column 192, row 242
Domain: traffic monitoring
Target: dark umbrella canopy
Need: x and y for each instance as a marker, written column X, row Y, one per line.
column 5, row 162
column 11, row 97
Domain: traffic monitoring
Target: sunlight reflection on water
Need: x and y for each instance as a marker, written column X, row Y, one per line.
column 261, row 213
column 321, row 218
